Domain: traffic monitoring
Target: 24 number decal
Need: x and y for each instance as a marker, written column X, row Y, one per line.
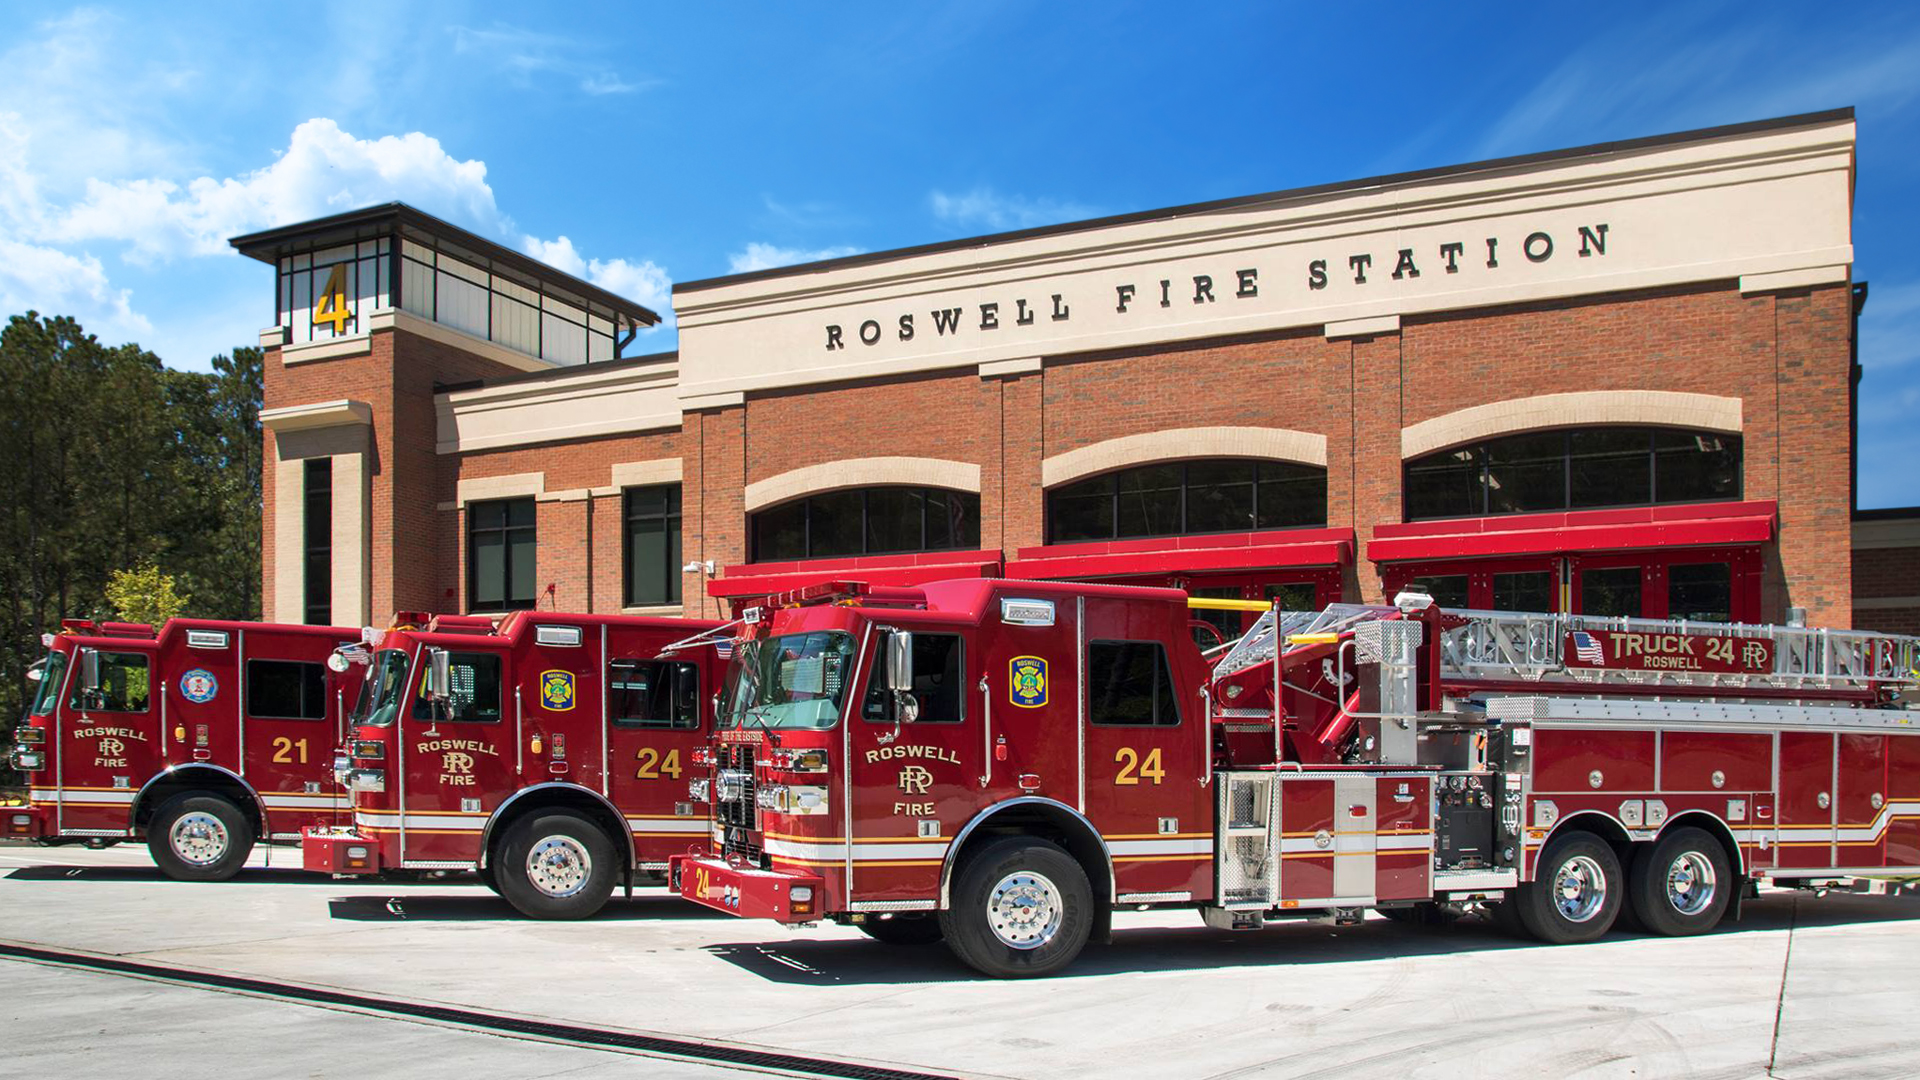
column 284, row 748
column 653, row 766
column 1133, row 766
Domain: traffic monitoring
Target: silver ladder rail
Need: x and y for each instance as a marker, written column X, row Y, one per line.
column 1527, row 646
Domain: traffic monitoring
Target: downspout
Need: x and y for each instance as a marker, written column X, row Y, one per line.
column 1854, row 373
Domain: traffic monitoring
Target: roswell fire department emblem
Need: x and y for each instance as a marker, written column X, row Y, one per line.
column 199, row 686
column 556, row 690
column 1027, row 682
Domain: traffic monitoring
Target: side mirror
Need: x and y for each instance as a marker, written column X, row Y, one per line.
column 90, row 670
column 439, row 673
column 900, row 660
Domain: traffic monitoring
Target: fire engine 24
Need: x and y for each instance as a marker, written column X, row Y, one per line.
column 550, row 756
column 203, row 738
column 1002, row 764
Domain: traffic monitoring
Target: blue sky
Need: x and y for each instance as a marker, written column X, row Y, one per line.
column 637, row 145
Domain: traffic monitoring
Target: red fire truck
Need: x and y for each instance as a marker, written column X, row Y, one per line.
column 204, row 738
column 1003, row 764
column 550, row 755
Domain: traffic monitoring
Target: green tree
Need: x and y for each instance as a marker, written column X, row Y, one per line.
column 144, row 595
column 117, row 463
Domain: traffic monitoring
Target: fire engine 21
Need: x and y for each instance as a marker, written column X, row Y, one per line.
column 203, row 738
column 550, row 756
column 1003, row 764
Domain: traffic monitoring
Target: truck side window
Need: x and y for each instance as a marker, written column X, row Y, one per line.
column 125, row 685
column 475, row 685
column 286, row 690
column 1130, row 684
column 654, row 694
column 939, row 681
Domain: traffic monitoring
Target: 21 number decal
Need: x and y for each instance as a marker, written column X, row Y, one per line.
column 283, row 750
column 653, row 766
column 1133, row 767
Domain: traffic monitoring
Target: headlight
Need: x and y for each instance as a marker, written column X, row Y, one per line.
column 700, row 790
column 801, row 893
column 792, row 799
column 814, row 760
column 369, row 748
column 367, row 780
column 29, row 760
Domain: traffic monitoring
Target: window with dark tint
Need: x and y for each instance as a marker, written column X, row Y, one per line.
column 1700, row 592
column 317, row 545
column 1188, row 497
column 1129, row 683
column 500, row 555
column 286, row 690
column 654, row 694
column 653, row 545
column 1613, row 591
column 125, row 685
column 1228, row 623
column 939, row 681
column 474, row 680
column 867, row 521
column 1528, row 591
column 1574, row 470
column 1447, row 590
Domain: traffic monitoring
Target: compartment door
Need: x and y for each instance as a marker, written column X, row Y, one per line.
column 1806, row 800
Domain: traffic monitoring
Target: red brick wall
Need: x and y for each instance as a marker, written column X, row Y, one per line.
column 1887, row 573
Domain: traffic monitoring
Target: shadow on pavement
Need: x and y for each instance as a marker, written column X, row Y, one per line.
column 250, row 876
column 848, row 962
column 485, row 906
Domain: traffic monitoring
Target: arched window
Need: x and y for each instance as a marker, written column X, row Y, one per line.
column 1577, row 469
column 1180, row 497
column 867, row 521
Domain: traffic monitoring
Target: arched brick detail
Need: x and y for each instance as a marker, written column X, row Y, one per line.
column 1179, row 444
column 862, row 472
column 1662, row 408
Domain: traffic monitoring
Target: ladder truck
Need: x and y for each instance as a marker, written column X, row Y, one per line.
column 1004, row 764
column 550, row 755
column 202, row 738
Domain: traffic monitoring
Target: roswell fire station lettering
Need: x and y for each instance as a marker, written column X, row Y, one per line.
column 109, row 733
column 930, row 753
column 436, row 746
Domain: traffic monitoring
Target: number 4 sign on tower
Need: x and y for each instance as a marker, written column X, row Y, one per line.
column 333, row 307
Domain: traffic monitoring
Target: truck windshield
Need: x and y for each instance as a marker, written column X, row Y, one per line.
column 791, row 681
column 386, row 684
column 50, row 678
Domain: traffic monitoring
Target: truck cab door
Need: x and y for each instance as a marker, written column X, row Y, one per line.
column 917, row 759
column 459, row 756
column 1146, row 747
column 656, row 718
column 110, row 738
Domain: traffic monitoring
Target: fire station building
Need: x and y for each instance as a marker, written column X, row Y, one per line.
column 1616, row 379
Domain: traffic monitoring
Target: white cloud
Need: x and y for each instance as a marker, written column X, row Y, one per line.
column 985, row 208
column 324, row 170
column 54, row 282
column 760, row 256
column 642, row 282
column 526, row 54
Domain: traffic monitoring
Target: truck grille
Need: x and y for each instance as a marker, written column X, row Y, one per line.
column 734, row 807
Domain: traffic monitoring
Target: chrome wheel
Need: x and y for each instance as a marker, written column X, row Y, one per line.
column 1579, row 889
column 1690, row 883
column 1024, row 910
column 559, row 866
column 198, row 838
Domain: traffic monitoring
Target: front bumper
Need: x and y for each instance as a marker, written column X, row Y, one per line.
column 26, row 822
column 338, row 851
column 745, row 891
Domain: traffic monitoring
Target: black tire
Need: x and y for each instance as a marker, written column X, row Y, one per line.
column 904, row 929
column 1582, row 861
column 1505, row 915
column 488, row 878
column 198, row 836
column 555, row 865
column 1423, row 914
column 1682, row 883
column 1033, row 872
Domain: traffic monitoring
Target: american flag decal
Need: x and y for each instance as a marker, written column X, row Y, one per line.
column 723, row 647
column 1588, row 650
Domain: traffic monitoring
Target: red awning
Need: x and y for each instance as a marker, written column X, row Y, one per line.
column 1689, row 525
column 759, row 579
column 1186, row 554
